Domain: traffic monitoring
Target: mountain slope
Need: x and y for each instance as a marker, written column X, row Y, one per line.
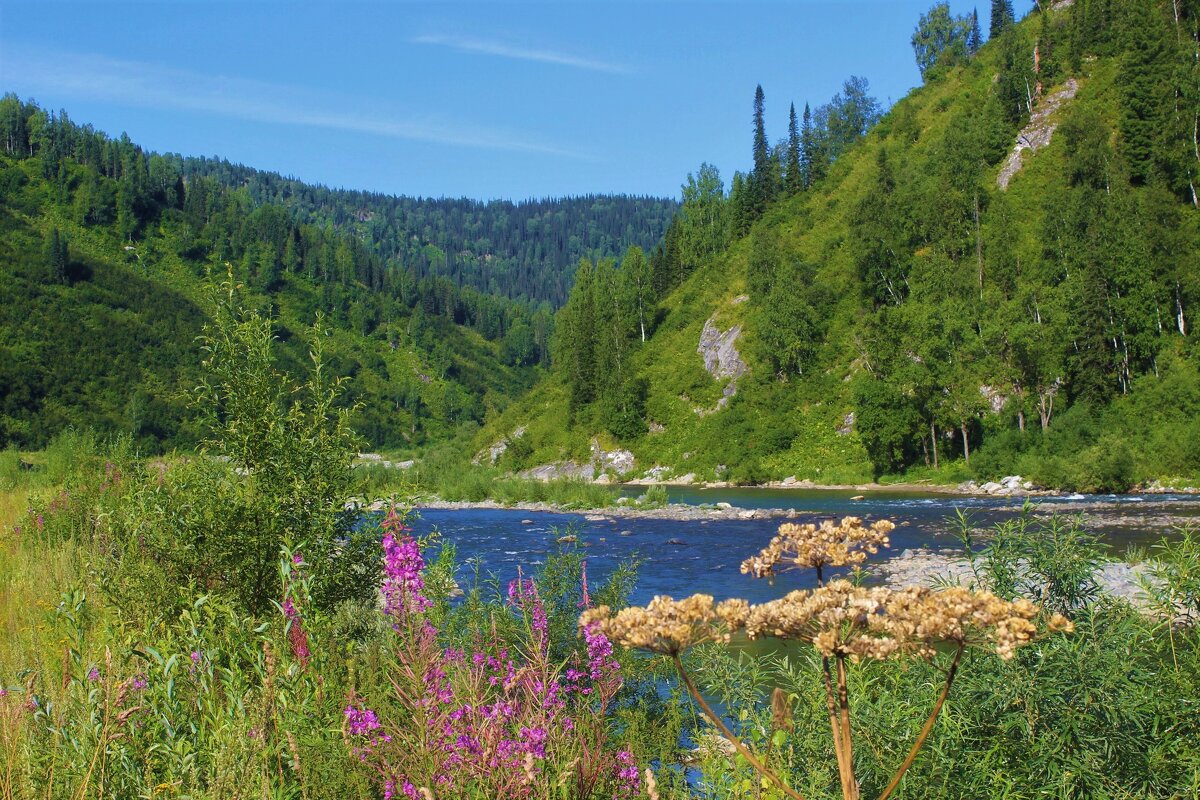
column 906, row 311
column 104, row 255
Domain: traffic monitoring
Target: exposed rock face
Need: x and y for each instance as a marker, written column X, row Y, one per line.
column 605, row 466
column 493, row 453
column 847, row 426
column 1009, row 486
column 1038, row 132
column 722, row 360
column 618, row 461
column 565, row 469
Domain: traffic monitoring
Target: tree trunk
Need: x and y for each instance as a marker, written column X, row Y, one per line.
column 966, row 444
column 1045, row 408
column 933, row 438
column 1179, row 311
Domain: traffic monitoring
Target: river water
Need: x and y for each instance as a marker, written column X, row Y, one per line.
column 682, row 557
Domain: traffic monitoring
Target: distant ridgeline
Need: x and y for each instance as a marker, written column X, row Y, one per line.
column 526, row 250
column 1001, row 274
column 104, row 247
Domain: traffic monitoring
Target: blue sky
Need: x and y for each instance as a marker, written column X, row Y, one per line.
column 484, row 100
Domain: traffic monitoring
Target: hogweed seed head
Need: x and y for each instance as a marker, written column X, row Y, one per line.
column 666, row 626
column 857, row 622
column 812, row 546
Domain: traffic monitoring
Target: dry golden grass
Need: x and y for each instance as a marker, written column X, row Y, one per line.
column 32, row 578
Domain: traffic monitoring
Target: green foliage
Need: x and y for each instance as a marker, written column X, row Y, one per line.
column 273, row 472
column 942, row 40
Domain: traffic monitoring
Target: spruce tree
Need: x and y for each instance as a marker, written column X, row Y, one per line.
column 1002, row 17
column 54, row 252
column 810, row 150
column 760, row 178
column 975, row 37
column 793, row 173
column 1145, row 77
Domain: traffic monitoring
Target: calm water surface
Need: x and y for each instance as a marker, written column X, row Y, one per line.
column 682, row 557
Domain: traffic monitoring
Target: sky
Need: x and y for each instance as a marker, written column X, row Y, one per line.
column 446, row 99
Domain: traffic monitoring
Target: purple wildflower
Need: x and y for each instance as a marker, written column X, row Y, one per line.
column 523, row 594
column 139, row 683
column 297, row 637
column 93, row 675
column 402, row 566
column 627, row 775
column 360, row 720
column 599, row 649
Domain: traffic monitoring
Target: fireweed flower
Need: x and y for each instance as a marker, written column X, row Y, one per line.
column 627, row 775
column 360, row 721
column 523, row 594
column 297, row 636
column 402, row 565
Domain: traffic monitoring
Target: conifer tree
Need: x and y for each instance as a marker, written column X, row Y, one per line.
column 810, row 150
column 793, row 173
column 760, row 179
column 1002, row 17
column 1145, row 76
column 55, row 254
column 975, row 37
column 575, row 334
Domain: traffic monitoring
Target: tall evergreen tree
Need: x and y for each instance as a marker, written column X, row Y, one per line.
column 575, row 334
column 810, row 150
column 1145, row 76
column 761, row 178
column 793, row 172
column 54, row 252
column 1002, row 17
column 975, row 37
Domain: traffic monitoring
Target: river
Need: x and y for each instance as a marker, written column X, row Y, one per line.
column 682, row 557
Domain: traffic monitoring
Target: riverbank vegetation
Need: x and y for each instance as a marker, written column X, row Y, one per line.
column 217, row 628
column 995, row 277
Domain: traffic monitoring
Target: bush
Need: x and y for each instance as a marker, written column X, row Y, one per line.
column 273, row 473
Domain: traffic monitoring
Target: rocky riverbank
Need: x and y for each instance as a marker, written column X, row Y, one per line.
column 675, row 511
column 925, row 568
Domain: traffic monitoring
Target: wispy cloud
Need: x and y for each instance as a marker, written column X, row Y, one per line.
column 491, row 47
column 136, row 84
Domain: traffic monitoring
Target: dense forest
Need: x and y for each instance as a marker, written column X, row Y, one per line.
column 107, row 249
column 998, row 275
column 525, row 250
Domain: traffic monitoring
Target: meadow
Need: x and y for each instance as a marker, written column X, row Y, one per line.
column 219, row 626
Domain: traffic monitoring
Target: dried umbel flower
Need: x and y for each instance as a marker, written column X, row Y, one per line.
column 842, row 619
column 667, row 626
column 811, row 546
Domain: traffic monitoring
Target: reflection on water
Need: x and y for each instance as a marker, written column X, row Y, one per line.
column 683, row 557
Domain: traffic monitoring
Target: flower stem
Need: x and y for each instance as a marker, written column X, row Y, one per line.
column 849, row 783
column 728, row 734
column 927, row 727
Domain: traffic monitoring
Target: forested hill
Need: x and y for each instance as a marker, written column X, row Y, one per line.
column 1001, row 276
column 526, row 250
column 105, row 257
